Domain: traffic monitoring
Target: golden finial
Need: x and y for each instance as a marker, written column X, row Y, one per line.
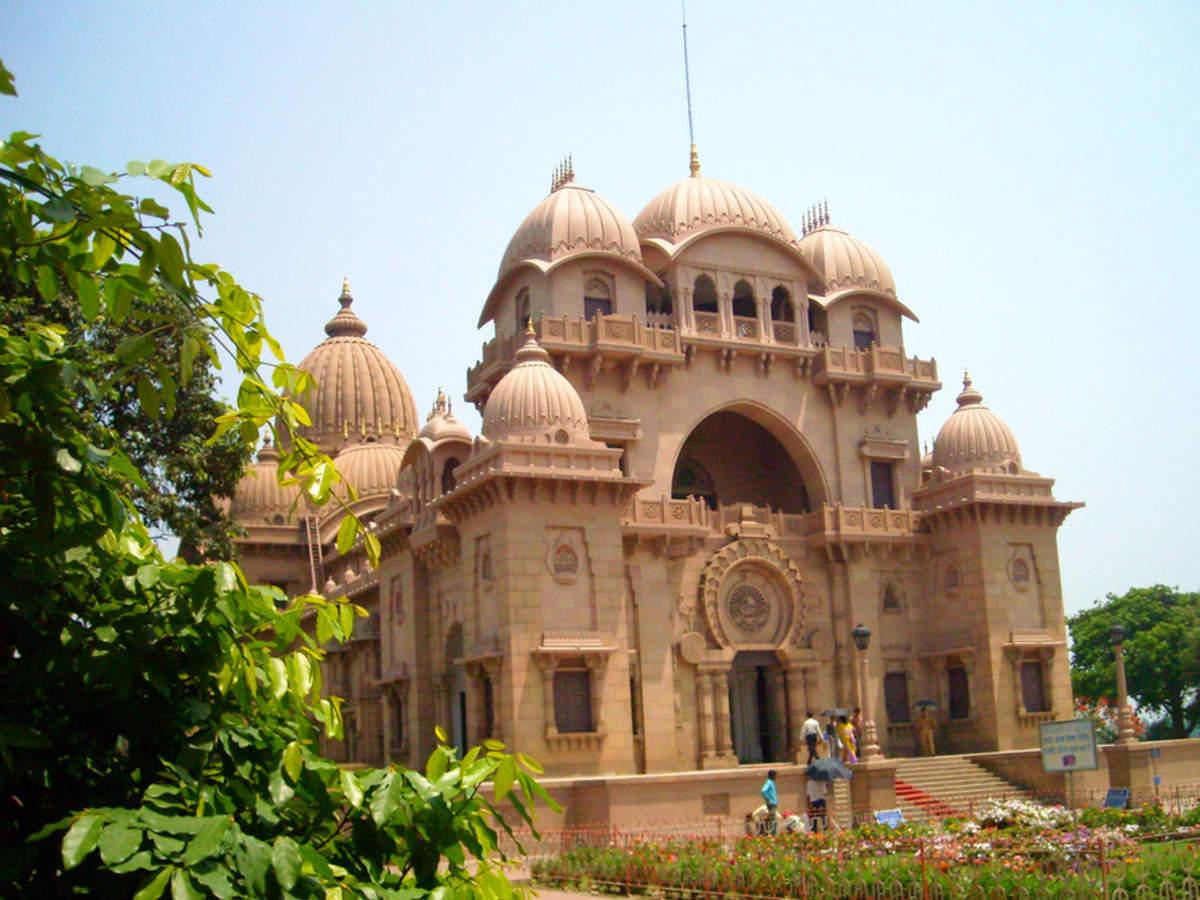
column 529, row 332
column 966, row 380
column 346, row 285
column 695, row 163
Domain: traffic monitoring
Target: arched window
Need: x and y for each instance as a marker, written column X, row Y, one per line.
column 781, row 305
column 704, row 295
column 658, row 300
column 692, row 480
column 818, row 323
column 743, row 300
column 448, row 480
column 864, row 331
column 522, row 309
column 597, row 298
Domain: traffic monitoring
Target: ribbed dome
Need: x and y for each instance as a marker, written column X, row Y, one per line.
column 698, row 204
column 440, row 425
column 359, row 391
column 571, row 220
column 975, row 439
column 533, row 400
column 846, row 262
column 259, row 498
column 371, row 467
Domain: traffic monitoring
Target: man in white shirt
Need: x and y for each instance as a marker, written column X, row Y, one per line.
column 811, row 732
column 816, row 792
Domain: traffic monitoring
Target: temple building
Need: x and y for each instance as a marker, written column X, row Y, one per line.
column 698, row 471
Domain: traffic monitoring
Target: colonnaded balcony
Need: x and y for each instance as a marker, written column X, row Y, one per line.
column 651, row 347
column 683, row 526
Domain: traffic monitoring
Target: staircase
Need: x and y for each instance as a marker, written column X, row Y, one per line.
column 940, row 786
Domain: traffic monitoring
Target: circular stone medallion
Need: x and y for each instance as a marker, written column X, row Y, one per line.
column 748, row 608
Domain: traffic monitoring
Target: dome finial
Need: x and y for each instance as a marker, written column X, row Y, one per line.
column 694, row 165
column 969, row 395
column 346, row 290
column 345, row 323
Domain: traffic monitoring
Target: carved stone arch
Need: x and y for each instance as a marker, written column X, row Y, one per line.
column 753, row 596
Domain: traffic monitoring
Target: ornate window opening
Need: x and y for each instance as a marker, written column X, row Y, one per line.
column 448, row 480
column 781, row 305
column 1033, row 686
column 658, row 300
column 743, row 300
column 891, row 597
column 704, row 295
column 692, row 480
column 864, row 331
column 597, row 298
column 883, row 493
column 959, row 691
column 521, row 309
column 572, row 700
column 895, row 697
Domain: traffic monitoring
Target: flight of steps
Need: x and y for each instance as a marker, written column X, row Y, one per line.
column 940, row 786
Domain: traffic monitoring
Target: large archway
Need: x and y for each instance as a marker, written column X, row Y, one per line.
column 757, row 707
column 746, row 454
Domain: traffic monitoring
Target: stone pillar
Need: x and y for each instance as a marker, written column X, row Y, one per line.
column 704, row 700
column 873, row 787
column 1129, row 766
column 780, row 711
column 797, row 702
column 596, row 663
column 547, row 664
column 724, row 732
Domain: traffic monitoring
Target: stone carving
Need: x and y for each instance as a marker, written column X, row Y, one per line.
column 770, row 570
column 692, row 646
column 748, row 608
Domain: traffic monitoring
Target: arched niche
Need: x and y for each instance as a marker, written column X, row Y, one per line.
column 749, row 454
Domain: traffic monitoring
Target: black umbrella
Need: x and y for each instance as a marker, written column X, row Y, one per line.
column 925, row 704
column 827, row 769
column 835, row 712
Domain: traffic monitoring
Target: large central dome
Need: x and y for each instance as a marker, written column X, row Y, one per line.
column 695, row 205
column 360, row 394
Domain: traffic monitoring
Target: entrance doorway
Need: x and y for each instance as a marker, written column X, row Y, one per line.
column 757, row 707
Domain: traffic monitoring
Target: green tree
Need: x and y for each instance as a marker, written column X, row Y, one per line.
column 1162, row 653
column 159, row 722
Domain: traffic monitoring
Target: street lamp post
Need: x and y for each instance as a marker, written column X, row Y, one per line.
column 870, row 740
column 1124, row 716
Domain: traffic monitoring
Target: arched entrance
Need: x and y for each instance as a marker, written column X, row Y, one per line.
column 748, row 455
column 757, row 707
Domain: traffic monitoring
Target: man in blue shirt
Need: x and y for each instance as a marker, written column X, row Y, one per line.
column 771, row 798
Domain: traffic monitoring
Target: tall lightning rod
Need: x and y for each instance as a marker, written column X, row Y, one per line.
column 687, row 81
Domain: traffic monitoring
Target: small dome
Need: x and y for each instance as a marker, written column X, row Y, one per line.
column 847, row 264
column 975, row 439
column 694, row 205
column 259, row 499
column 572, row 220
column 359, row 391
column 533, row 400
column 371, row 467
column 440, row 425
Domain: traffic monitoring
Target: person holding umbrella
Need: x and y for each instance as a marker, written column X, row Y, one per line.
column 819, row 774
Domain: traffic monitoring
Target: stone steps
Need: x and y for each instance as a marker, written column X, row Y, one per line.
column 940, row 786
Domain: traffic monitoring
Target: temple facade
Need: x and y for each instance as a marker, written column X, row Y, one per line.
column 698, row 472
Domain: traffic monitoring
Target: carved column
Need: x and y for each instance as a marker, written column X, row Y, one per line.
column 724, row 731
column 547, row 664
column 797, row 706
column 596, row 663
column 704, row 702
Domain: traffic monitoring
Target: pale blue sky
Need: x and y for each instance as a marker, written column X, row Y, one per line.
column 1028, row 170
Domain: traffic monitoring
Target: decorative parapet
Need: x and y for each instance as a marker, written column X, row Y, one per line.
column 839, row 526
column 624, row 342
column 1027, row 496
column 877, row 371
column 666, row 525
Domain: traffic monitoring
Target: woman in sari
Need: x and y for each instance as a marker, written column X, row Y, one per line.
column 848, row 739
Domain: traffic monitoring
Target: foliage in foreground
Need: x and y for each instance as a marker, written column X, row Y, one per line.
column 159, row 725
column 958, row 859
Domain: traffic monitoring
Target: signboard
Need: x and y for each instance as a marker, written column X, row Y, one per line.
column 1116, row 798
column 1069, row 745
column 892, row 818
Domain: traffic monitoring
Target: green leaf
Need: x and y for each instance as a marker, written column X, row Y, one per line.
column 6, row 82
column 81, row 839
column 182, row 888
column 350, row 788
column 135, row 349
column 67, row 462
column 154, row 889
column 346, row 620
column 170, row 257
column 94, row 177
column 156, row 168
column 506, row 773
column 89, row 297
column 148, row 396
column 285, row 860
column 207, row 839
column 47, row 284
column 530, row 763
column 293, row 760
column 346, row 534
column 58, row 210
column 135, row 168
column 281, row 792
column 103, row 247
column 187, row 354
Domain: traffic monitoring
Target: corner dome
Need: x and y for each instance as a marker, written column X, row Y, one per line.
column 975, row 439
column 440, row 425
column 259, row 499
column 571, row 221
column 695, row 205
column 371, row 467
column 533, row 401
column 847, row 263
column 359, row 392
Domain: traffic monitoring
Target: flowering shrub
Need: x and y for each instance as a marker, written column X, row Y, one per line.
column 1015, row 813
